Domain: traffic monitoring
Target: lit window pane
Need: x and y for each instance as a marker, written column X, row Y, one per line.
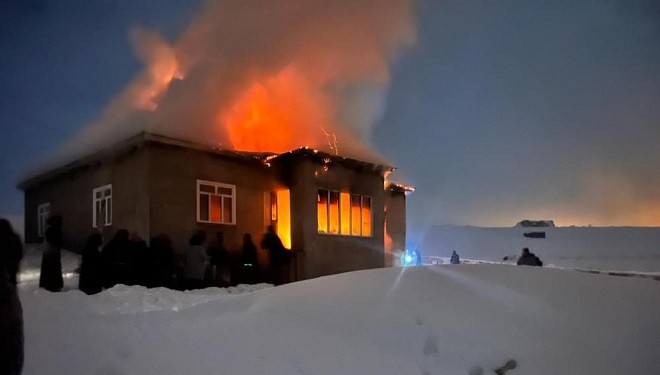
column 215, row 211
column 334, row 212
column 207, row 188
column 355, row 215
column 273, row 206
column 203, row 207
column 322, row 210
column 345, row 208
column 226, row 210
column 366, row 216
column 224, row 190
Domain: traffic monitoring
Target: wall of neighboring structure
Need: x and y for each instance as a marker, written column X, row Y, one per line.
column 173, row 175
column 325, row 254
column 70, row 195
column 395, row 225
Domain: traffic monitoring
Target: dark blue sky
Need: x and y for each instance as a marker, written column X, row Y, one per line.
column 501, row 111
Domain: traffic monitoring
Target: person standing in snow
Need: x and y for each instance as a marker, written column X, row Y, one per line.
column 51, row 262
column 116, row 260
column 161, row 272
column 454, row 258
column 279, row 257
column 221, row 272
column 91, row 270
column 11, row 311
column 529, row 259
column 197, row 261
column 248, row 260
column 139, row 260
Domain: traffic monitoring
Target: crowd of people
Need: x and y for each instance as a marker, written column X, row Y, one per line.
column 127, row 259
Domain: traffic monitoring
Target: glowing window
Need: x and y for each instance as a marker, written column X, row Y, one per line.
column 322, row 210
column 345, row 211
column 366, row 216
column 216, row 202
column 334, row 212
column 355, row 215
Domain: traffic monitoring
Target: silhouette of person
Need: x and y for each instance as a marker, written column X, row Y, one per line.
column 51, row 261
column 11, row 311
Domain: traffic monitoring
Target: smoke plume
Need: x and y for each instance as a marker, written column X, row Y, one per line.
column 264, row 76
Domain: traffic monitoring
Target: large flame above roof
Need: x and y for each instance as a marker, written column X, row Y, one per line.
column 263, row 76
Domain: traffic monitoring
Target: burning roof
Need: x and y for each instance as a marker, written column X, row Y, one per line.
column 259, row 158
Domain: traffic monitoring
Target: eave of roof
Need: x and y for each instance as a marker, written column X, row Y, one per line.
column 263, row 158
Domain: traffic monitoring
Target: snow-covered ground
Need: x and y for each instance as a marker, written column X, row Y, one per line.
column 417, row 320
column 635, row 249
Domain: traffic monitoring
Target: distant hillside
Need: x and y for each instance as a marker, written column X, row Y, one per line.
column 603, row 248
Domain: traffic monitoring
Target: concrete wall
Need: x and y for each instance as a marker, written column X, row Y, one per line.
column 173, row 175
column 395, row 224
column 325, row 254
column 70, row 196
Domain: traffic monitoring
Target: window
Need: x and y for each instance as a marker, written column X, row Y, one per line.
column 216, row 202
column 343, row 213
column 102, row 208
column 43, row 212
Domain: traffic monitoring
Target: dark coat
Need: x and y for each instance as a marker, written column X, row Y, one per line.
column 454, row 258
column 91, row 268
column 51, row 262
column 117, row 262
column 278, row 253
column 249, row 254
column 218, row 254
column 11, row 311
column 161, row 263
column 529, row 259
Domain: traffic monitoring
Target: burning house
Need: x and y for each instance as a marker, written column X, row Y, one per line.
column 208, row 135
column 338, row 214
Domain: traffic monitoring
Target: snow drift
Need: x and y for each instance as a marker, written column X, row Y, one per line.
column 418, row 320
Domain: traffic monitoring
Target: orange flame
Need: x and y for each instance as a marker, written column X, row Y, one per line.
column 274, row 114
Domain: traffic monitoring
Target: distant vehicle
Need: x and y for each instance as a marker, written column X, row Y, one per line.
column 534, row 234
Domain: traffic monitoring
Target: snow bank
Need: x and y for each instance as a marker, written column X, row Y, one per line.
column 418, row 320
column 31, row 265
column 616, row 248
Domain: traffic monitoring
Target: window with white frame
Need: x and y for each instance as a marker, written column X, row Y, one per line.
column 216, row 202
column 43, row 213
column 102, row 206
column 343, row 213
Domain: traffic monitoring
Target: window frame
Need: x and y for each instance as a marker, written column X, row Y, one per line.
column 339, row 233
column 107, row 220
column 42, row 224
column 217, row 185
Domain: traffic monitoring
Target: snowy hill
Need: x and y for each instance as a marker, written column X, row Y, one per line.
column 601, row 248
column 418, row 320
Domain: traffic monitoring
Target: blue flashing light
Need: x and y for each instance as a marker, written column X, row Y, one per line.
column 410, row 258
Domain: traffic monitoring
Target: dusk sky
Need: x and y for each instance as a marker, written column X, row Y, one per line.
column 497, row 112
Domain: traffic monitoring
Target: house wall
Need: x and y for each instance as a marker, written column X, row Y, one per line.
column 395, row 225
column 70, row 196
column 325, row 254
column 173, row 175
